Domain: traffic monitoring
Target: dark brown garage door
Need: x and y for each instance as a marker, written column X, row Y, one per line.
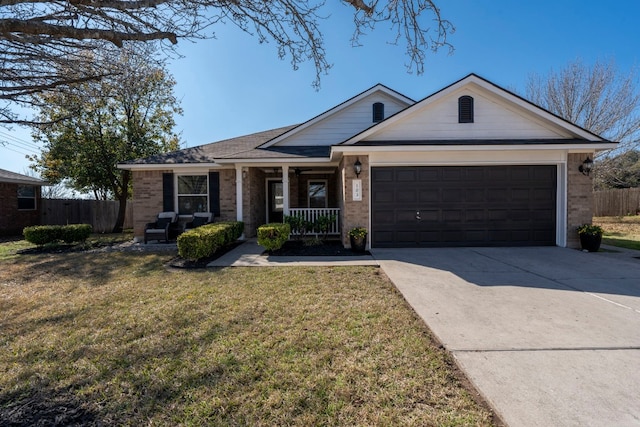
column 463, row 206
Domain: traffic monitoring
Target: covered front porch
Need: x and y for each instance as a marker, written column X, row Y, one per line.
column 271, row 193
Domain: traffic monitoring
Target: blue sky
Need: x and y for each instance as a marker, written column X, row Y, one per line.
column 231, row 86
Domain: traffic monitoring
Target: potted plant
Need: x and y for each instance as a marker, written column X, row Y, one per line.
column 358, row 238
column 590, row 237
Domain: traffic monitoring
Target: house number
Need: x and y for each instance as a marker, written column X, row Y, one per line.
column 357, row 190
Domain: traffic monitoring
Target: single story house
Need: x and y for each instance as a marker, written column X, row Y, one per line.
column 20, row 197
column 470, row 165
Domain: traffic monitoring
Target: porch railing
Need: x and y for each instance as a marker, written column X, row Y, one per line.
column 312, row 214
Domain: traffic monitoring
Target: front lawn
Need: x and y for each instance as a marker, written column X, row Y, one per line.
column 119, row 339
column 620, row 231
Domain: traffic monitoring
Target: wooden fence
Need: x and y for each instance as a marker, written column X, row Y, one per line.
column 101, row 214
column 620, row 202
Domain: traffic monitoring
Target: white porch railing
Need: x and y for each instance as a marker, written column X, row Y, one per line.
column 312, row 214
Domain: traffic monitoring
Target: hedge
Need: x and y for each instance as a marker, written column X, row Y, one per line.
column 44, row 234
column 204, row 241
column 272, row 236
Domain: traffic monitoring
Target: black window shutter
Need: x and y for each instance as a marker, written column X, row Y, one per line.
column 378, row 112
column 465, row 109
column 167, row 192
column 214, row 193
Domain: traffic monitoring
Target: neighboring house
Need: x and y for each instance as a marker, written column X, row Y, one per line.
column 470, row 165
column 19, row 202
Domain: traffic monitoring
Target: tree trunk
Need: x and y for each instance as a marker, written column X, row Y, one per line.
column 122, row 211
column 122, row 196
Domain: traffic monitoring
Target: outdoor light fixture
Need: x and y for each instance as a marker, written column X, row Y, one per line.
column 357, row 167
column 586, row 166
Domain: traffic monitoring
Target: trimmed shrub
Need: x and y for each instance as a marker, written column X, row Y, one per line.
column 45, row 234
column 204, row 241
column 76, row 232
column 272, row 236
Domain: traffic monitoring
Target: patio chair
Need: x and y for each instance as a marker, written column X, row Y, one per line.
column 199, row 218
column 159, row 230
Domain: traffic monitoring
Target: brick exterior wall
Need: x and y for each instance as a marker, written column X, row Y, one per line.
column 12, row 220
column 354, row 214
column 254, row 201
column 147, row 198
column 227, row 195
column 579, row 198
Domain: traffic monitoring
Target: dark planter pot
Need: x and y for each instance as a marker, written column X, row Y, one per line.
column 358, row 244
column 590, row 242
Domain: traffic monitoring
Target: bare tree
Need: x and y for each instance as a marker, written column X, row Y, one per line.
column 38, row 37
column 601, row 100
column 597, row 98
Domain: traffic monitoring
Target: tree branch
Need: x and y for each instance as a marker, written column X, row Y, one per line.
column 8, row 26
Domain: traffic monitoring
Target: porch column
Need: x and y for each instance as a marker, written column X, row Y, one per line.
column 239, row 193
column 285, row 190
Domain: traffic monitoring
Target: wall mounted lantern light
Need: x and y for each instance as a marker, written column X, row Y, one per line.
column 586, row 166
column 357, row 168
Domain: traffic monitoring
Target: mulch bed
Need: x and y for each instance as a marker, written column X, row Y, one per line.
column 327, row 248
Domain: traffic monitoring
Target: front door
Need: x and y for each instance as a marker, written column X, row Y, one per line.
column 275, row 202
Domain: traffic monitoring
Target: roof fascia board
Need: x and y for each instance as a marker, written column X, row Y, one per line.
column 535, row 109
column 487, row 85
column 23, row 181
column 167, row 166
column 378, row 87
column 296, row 161
column 574, row 148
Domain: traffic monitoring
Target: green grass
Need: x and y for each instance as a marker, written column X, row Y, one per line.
column 117, row 338
column 622, row 232
column 9, row 248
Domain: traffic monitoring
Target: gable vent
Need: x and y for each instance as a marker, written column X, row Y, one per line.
column 465, row 109
column 378, row 112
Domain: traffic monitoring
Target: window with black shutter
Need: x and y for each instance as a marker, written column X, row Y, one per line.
column 378, row 112
column 465, row 109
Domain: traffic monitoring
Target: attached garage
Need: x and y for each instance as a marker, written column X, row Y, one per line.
column 438, row 206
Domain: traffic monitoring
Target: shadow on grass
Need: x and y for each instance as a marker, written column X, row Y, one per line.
column 130, row 384
column 43, row 406
column 94, row 269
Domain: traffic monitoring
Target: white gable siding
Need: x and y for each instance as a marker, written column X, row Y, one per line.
column 493, row 119
column 344, row 123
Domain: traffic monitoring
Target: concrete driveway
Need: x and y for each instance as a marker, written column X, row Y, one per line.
column 550, row 336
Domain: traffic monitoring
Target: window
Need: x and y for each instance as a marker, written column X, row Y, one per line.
column 378, row 112
column 465, row 109
column 317, row 194
column 26, row 197
column 193, row 194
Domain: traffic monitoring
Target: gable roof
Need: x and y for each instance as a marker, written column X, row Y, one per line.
column 323, row 116
column 579, row 134
column 263, row 146
column 16, row 178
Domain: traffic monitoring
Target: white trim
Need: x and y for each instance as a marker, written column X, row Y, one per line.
column 561, row 205
column 285, row 191
column 172, row 167
column 176, row 194
column 363, row 149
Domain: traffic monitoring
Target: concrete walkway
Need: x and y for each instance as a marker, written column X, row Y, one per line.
column 550, row 336
column 250, row 254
